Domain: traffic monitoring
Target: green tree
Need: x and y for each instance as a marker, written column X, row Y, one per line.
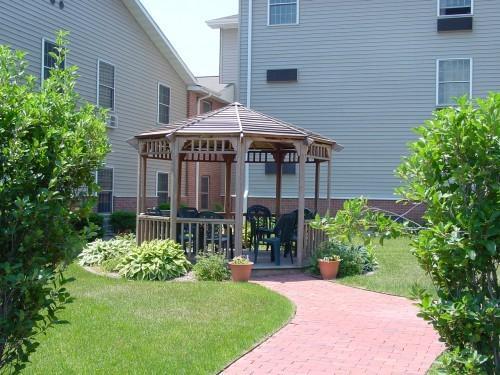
column 50, row 144
column 454, row 168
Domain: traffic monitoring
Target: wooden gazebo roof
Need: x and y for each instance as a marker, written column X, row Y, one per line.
column 237, row 120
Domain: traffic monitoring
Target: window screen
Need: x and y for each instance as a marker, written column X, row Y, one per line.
column 105, row 196
column 204, row 192
column 162, row 188
column 282, row 12
column 454, row 80
column 455, row 7
column 106, row 85
column 207, row 106
column 163, row 104
column 49, row 62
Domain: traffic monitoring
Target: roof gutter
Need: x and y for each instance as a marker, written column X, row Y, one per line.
column 249, row 92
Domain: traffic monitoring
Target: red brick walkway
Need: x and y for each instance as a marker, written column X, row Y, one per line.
column 342, row 330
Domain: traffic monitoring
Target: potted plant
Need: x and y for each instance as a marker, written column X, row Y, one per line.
column 329, row 267
column 241, row 268
column 164, row 209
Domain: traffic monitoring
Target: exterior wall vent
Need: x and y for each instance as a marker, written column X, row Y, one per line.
column 282, row 75
column 454, row 24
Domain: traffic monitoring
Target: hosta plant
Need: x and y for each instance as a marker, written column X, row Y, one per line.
column 98, row 252
column 155, row 260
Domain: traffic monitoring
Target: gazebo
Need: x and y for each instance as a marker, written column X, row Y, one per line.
column 230, row 135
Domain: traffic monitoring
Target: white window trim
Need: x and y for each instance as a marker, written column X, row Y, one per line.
column 112, row 190
column 111, row 110
column 282, row 24
column 157, row 179
column 454, row 15
column 42, row 70
column 437, row 78
column 158, row 103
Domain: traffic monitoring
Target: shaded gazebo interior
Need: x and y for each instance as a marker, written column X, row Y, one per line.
column 233, row 135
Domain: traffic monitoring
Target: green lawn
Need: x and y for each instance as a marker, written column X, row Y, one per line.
column 398, row 271
column 125, row 327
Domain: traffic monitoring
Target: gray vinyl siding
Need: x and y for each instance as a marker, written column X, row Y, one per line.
column 367, row 76
column 103, row 30
column 229, row 55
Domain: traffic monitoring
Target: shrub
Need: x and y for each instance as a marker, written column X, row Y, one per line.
column 211, row 267
column 94, row 221
column 355, row 259
column 123, row 221
column 51, row 142
column 99, row 251
column 164, row 206
column 155, row 260
column 454, row 170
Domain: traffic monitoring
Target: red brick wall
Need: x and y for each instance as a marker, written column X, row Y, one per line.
column 130, row 203
column 206, row 169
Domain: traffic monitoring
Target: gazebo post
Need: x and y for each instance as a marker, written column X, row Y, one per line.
column 174, row 146
column 329, row 181
column 144, row 179
column 240, row 186
column 179, row 178
column 278, row 159
column 301, row 151
column 227, row 189
column 316, row 184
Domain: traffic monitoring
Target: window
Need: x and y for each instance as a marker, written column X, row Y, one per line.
column 454, row 79
column 106, row 85
column 205, row 192
column 49, row 62
column 455, row 7
column 286, row 168
column 206, row 106
column 105, row 196
column 283, row 12
column 162, row 187
column 163, row 104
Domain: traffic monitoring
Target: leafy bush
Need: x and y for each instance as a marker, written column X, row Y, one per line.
column 155, row 260
column 123, row 221
column 454, row 170
column 51, row 142
column 211, row 267
column 94, row 221
column 99, row 251
column 164, row 206
column 355, row 259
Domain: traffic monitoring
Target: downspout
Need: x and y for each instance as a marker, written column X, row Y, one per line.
column 197, row 165
column 249, row 92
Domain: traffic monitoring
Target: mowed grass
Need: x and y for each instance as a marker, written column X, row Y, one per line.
column 398, row 271
column 125, row 327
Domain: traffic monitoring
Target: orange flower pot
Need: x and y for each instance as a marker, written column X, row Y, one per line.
column 241, row 272
column 329, row 270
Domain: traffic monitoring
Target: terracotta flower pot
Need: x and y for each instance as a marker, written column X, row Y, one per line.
column 241, row 272
column 328, row 270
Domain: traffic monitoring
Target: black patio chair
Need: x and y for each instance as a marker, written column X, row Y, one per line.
column 283, row 235
column 213, row 234
column 260, row 219
column 308, row 215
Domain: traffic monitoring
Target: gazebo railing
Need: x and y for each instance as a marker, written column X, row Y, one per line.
column 152, row 228
column 197, row 235
column 216, row 235
column 194, row 234
column 312, row 239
